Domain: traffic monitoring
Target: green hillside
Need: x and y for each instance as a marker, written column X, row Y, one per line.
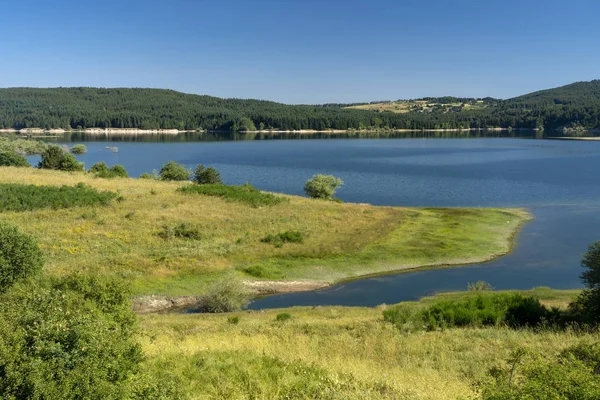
column 572, row 106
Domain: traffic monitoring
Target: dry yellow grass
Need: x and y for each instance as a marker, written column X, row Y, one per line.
column 353, row 345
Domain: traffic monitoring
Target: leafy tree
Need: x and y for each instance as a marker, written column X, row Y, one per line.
column 101, row 170
column 67, row 340
column 587, row 304
column 203, row 176
column 173, row 171
column 322, row 186
column 20, row 255
column 119, row 171
column 70, row 163
column 12, row 159
column 51, row 158
column 55, row 158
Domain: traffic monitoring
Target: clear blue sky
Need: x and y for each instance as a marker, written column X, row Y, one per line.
column 303, row 51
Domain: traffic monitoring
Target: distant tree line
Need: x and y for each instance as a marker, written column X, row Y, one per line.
column 572, row 106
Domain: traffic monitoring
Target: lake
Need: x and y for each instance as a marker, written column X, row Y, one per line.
column 557, row 180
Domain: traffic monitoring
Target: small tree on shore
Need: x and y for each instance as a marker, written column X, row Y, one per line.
column 173, row 171
column 204, row 176
column 587, row 305
column 322, row 186
column 55, row 157
column 12, row 159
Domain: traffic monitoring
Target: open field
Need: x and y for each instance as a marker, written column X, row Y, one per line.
column 334, row 352
column 340, row 240
column 405, row 106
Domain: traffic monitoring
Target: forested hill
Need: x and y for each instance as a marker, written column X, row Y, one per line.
column 572, row 106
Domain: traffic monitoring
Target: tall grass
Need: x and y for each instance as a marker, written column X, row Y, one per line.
column 367, row 357
column 245, row 193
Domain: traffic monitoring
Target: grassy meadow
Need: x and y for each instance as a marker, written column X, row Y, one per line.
column 335, row 352
column 339, row 241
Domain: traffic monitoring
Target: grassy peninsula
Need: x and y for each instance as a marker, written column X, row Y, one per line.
column 339, row 241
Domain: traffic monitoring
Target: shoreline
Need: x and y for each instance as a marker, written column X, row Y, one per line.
column 150, row 304
column 137, row 131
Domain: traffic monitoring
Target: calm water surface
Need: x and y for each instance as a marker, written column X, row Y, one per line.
column 558, row 181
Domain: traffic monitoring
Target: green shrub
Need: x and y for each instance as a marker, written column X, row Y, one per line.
column 226, row 295
column 119, row 171
column 21, row 146
column 280, row 239
column 69, row 340
column 79, row 149
column 172, row 171
column 572, row 374
column 233, row 320
column 586, row 308
column 20, row 255
column 482, row 310
column 322, row 186
column 101, row 170
column 282, row 317
column 54, row 157
column 183, row 231
column 17, row 197
column 70, row 163
column 12, row 159
column 206, row 176
column 479, row 286
column 265, row 271
column 244, row 193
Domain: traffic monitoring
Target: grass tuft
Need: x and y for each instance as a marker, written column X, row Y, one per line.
column 16, row 197
column 244, row 193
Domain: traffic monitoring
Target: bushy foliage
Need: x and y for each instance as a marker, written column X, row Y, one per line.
column 244, row 193
column 282, row 317
column 20, row 255
column 154, row 175
column 225, row 295
column 572, row 374
column 204, row 176
column 280, row 239
column 12, row 159
column 54, row 157
column 101, row 170
column 586, row 308
column 322, row 186
column 79, row 149
column 496, row 309
column 173, row 171
column 21, row 146
column 265, row 270
column 183, row 231
column 17, row 197
column 69, row 339
column 479, row 286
